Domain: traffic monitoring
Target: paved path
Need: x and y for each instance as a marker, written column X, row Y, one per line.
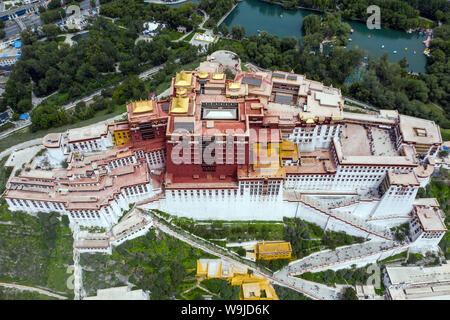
column 310, row 289
column 27, row 288
column 226, row 14
column 78, row 290
column 22, row 145
column 19, row 125
column 331, row 258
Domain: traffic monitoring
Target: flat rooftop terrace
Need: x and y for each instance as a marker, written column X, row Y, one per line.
column 419, row 275
column 358, row 140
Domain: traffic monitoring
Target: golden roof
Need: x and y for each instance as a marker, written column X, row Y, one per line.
column 288, row 150
column 273, row 246
column 179, row 105
column 202, row 75
column 218, row 76
column 234, row 85
column 181, row 91
column 261, row 290
column 142, row 106
column 310, row 121
column 254, row 106
column 183, row 79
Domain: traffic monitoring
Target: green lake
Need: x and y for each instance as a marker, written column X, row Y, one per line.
column 257, row 16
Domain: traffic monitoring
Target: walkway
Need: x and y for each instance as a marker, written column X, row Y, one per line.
column 226, row 15
column 349, row 219
column 27, row 288
column 327, row 259
column 77, row 271
column 310, row 289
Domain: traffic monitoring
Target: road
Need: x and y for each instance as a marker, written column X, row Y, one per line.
column 27, row 288
column 25, row 123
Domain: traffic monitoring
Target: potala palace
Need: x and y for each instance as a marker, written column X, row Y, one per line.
column 261, row 146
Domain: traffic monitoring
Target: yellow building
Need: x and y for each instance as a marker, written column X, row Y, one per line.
column 252, row 287
column 184, row 80
column 258, row 290
column 269, row 250
column 121, row 133
column 216, row 268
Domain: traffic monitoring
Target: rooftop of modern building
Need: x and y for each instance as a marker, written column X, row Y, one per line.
column 363, row 140
column 119, row 293
column 403, row 178
column 417, row 275
column 210, row 67
column 86, row 240
column 52, row 140
column 406, row 157
column 441, row 292
column 429, row 202
column 431, row 218
column 419, row 131
column 87, row 133
column 365, row 290
column 269, row 247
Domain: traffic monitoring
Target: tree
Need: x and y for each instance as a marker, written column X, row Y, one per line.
column 311, row 24
column 439, row 15
column 238, row 32
column 241, row 251
column 443, row 153
column 51, row 31
column 349, row 294
column 403, row 63
column 224, row 30
column 24, row 105
column 54, row 4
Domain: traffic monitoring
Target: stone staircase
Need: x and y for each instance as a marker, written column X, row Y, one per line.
column 346, row 218
column 342, row 255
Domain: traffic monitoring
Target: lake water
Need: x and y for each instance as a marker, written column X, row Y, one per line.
column 80, row 36
column 256, row 16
